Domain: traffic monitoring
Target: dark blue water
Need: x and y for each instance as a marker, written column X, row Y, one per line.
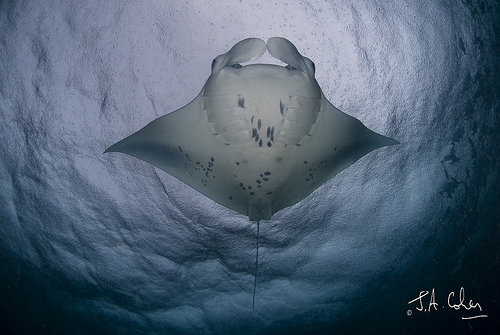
column 103, row 244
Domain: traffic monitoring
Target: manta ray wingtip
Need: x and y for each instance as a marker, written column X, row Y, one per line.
column 390, row 141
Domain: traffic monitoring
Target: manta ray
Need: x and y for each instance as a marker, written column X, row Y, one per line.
column 259, row 137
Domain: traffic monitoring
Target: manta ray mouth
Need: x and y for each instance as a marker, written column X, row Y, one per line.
column 253, row 48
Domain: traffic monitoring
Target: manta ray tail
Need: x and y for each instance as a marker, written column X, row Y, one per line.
column 256, row 263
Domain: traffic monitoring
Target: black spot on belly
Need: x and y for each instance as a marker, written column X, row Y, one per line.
column 241, row 102
column 282, row 107
column 269, row 144
column 267, row 173
column 305, row 162
column 260, row 143
column 259, row 124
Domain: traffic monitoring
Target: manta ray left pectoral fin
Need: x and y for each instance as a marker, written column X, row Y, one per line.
column 182, row 144
column 164, row 141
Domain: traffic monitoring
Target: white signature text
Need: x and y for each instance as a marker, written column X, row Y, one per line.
column 456, row 302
